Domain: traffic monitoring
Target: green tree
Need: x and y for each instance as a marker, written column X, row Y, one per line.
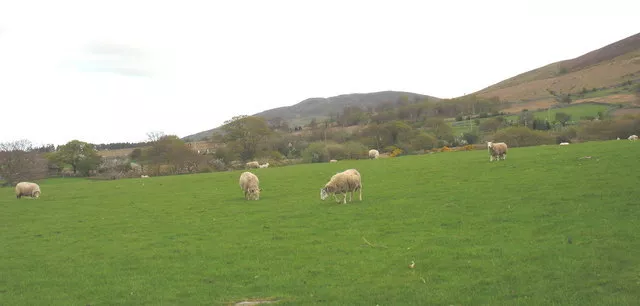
column 490, row 125
column 563, row 118
column 172, row 151
column 440, row 128
column 244, row 134
column 526, row 118
column 423, row 141
column 81, row 156
column 398, row 130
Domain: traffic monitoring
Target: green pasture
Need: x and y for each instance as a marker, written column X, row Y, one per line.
column 576, row 111
column 551, row 225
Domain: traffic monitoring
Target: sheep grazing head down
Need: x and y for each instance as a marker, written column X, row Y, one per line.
column 326, row 191
column 253, row 193
column 324, row 194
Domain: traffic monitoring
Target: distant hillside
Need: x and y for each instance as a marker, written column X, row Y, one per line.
column 301, row 113
column 602, row 68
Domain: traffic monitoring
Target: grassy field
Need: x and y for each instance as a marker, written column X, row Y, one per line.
column 576, row 111
column 479, row 233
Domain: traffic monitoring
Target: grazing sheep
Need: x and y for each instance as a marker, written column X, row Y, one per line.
column 564, row 143
column 373, row 153
column 27, row 189
column 343, row 183
column 264, row 165
column 253, row 164
column 250, row 185
column 618, row 138
column 633, row 137
column 333, row 161
column 144, row 176
column 497, row 150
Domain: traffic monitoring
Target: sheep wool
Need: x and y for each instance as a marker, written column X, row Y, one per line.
column 497, row 150
column 373, row 154
column 250, row 185
column 344, row 182
column 253, row 164
column 27, row 189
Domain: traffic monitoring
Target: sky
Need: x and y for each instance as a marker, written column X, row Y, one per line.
column 111, row 71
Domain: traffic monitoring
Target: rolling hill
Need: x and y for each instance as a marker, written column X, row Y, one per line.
column 597, row 76
column 601, row 69
column 301, row 113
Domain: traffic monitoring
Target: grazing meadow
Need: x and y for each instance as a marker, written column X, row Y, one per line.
column 551, row 225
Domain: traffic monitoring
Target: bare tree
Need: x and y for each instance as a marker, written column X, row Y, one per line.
column 20, row 162
column 154, row 136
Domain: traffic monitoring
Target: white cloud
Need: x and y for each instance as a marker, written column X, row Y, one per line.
column 111, row 71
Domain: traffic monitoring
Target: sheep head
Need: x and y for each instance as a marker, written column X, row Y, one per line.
column 324, row 193
column 253, row 193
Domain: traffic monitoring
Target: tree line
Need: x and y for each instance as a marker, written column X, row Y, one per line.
column 396, row 128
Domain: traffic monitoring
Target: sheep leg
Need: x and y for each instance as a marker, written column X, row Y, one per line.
column 344, row 200
column 360, row 192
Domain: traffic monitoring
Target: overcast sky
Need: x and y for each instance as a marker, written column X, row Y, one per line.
column 111, row 71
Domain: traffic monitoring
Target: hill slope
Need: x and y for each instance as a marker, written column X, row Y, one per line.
column 605, row 67
column 301, row 113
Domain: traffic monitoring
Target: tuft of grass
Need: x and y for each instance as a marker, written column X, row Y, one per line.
column 479, row 232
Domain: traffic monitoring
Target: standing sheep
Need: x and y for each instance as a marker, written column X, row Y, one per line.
column 497, row 150
column 264, row 165
column 250, row 185
column 27, row 189
column 633, row 137
column 333, row 161
column 253, row 164
column 343, row 183
column 373, row 154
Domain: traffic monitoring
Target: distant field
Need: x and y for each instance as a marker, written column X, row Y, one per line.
column 576, row 111
column 545, row 227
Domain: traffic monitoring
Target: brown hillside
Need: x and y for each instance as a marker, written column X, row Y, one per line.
column 608, row 66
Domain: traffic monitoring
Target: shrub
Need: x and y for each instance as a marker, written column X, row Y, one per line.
column 471, row 138
column 336, row 151
column 490, row 125
column 609, row 129
column 396, row 152
column 522, row 137
column 316, row 152
column 355, row 150
column 423, row 141
column 217, row 164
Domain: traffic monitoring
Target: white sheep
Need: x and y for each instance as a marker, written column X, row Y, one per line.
column 564, row 143
column 633, row 137
column 250, row 185
column 253, row 164
column 333, row 161
column 27, row 189
column 373, row 153
column 497, row 150
column 264, row 165
column 343, row 183
column 144, row 176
